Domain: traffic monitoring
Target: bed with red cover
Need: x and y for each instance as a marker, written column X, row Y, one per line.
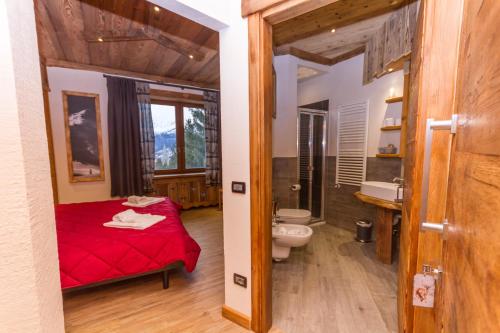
column 90, row 253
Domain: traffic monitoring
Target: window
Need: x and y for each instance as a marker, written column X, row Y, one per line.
column 179, row 137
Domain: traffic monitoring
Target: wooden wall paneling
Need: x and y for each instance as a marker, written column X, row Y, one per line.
column 404, row 112
column 410, row 226
column 261, row 107
column 48, row 43
column 433, row 75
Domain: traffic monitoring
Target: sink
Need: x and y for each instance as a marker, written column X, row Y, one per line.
column 381, row 190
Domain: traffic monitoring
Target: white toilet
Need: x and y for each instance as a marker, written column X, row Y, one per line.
column 294, row 216
column 286, row 236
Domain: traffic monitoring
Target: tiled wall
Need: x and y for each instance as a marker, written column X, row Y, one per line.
column 342, row 209
column 284, row 175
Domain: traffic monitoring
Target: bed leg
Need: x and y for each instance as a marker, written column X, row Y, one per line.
column 165, row 279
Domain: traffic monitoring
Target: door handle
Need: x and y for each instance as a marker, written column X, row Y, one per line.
column 431, row 126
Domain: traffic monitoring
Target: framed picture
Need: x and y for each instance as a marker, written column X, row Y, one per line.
column 82, row 121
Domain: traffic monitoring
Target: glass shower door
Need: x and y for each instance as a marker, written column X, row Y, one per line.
column 312, row 149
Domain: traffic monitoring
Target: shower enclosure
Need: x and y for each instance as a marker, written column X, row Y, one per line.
column 312, row 139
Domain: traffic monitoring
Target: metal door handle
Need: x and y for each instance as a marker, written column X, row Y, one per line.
column 432, row 125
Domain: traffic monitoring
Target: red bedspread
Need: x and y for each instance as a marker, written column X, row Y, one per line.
column 90, row 252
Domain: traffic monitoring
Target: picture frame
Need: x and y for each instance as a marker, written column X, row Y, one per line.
column 82, row 121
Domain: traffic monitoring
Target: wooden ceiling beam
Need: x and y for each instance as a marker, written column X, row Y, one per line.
column 121, row 72
column 253, row 6
column 348, row 55
column 319, row 59
column 335, row 15
column 304, row 55
column 180, row 46
column 292, row 8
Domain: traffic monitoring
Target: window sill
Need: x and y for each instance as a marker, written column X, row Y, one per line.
column 176, row 175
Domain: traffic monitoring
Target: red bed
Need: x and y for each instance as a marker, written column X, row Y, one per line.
column 91, row 253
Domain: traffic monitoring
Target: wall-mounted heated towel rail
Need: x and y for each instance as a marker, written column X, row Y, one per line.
column 352, row 137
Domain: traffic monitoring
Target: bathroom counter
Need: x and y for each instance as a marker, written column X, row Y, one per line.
column 383, row 225
column 378, row 202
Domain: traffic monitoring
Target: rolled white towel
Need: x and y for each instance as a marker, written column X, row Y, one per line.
column 137, row 199
column 128, row 216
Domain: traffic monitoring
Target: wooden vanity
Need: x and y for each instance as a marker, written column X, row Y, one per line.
column 383, row 225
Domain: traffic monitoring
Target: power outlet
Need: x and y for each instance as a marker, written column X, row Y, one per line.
column 240, row 280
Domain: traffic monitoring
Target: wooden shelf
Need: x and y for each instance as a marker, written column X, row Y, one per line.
column 388, row 155
column 391, row 128
column 394, row 99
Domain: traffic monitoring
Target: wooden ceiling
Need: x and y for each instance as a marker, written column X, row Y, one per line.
column 127, row 36
column 309, row 36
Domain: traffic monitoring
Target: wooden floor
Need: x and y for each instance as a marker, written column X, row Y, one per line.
column 191, row 304
column 334, row 285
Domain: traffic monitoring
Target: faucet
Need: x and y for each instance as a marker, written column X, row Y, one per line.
column 275, row 218
column 400, row 181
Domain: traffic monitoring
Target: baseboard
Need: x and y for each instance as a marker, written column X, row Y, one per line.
column 236, row 317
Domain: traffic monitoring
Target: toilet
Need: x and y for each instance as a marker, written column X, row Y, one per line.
column 286, row 236
column 294, row 216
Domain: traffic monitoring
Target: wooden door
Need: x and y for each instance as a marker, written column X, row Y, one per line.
column 471, row 254
column 432, row 95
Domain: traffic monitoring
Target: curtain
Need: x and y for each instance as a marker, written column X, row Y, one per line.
column 212, row 139
column 147, row 136
column 124, row 138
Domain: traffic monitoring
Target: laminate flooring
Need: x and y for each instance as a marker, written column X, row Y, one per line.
column 332, row 285
column 191, row 304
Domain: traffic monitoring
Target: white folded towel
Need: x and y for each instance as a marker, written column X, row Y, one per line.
column 132, row 220
column 141, row 202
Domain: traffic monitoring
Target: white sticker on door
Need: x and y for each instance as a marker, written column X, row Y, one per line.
column 424, row 287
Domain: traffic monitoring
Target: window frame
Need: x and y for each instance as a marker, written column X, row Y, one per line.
column 179, row 134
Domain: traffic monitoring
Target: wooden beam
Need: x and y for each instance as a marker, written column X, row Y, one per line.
column 292, row 8
column 186, row 48
column 347, row 55
column 176, row 96
column 304, row 55
column 319, row 59
column 249, row 7
column 335, row 15
column 121, row 72
column 261, row 102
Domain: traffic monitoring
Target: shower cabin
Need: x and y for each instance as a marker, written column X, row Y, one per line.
column 311, row 149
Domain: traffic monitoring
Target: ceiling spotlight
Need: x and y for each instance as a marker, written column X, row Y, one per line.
column 191, row 56
column 100, row 39
column 333, row 30
column 157, row 9
column 390, row 69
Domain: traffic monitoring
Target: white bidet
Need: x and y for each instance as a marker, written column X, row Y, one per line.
column 286, row 236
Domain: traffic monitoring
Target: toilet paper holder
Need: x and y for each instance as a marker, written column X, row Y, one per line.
column 295, row 187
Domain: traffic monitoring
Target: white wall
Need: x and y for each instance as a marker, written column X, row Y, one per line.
column 342, row 84
column 285, row 124
column 89, row 82
column 233, row 30
column 30, row 291
column 80, row 81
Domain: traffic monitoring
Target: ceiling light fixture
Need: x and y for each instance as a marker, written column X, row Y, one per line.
column 333, row 30
column 191, row 56
column 391, row 69
column 157, row 9
column 100, row 39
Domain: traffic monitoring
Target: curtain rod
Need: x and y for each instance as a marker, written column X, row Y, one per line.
column 164, row 84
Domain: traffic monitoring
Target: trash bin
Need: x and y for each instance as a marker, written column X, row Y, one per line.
column 364, row 231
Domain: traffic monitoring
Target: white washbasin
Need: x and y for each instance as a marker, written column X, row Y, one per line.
column 381, row 190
